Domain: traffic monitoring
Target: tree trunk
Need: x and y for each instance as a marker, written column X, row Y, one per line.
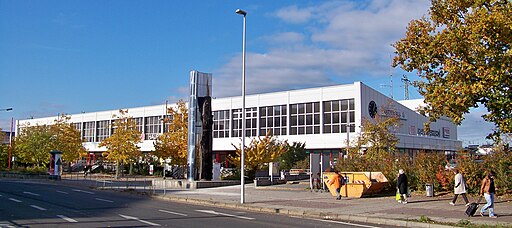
column 117, row 169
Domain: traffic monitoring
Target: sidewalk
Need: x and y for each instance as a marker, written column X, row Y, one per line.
column 297, row 200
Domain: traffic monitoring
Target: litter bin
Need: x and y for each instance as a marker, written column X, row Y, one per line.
column 429, row 189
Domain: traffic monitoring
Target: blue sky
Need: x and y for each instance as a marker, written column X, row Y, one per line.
column 74, row 56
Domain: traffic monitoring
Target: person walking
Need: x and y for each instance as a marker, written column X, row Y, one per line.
column 488, row 190
column 334, row 180
column 460, row 188
column 402, row 186
column 318, row 181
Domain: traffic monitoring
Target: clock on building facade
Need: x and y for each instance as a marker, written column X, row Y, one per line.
column 372, row 109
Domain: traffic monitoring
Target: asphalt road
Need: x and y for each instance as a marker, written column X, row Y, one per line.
column 33, row 204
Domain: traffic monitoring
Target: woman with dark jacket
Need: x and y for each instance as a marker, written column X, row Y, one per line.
column 402, row 186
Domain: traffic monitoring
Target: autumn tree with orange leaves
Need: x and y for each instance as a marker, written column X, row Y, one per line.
column 259, row 152
column 173, row 143
column 462, row 51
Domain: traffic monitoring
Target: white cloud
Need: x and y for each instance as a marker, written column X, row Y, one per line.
column 292, row 14
column 369, row 29
column 474, row 128
column 285, row 38
column 345, row 40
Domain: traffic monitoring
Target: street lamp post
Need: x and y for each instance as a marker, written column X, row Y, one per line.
column 10, row 139
column 242, row 156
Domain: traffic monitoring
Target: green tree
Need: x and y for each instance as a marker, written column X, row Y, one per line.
column 294, row 153
column 122, row 144
column 33, row 145
column 378, row 141
column 379, row 135
column 462, row 52
column 67, row 139
column 259, row 152
column 173, row 144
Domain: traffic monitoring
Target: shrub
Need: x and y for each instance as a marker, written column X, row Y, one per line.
column 473, row 172
column 429, row 168
column 500, row 162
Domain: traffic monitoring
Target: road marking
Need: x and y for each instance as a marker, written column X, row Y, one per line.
column 66, row 218
column 15, row 200
column 224, row 214
column 62, row 192
column 78, row 190
column 140, row 220
column 38, row 207
column 174, row 213
column 104, row 200
column 31, row 193
column 345, row 223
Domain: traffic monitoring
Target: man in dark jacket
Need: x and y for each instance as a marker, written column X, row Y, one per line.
column 402, row 186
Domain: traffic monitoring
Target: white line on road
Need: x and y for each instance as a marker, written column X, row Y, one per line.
column 174, row 213
column 78, row 190
column 38, row 208
column 15, row 200
column 140, row 220
column 66, row 218
column 345, row 223
column 62, row 192
column 31, row 193
column 104, row 200
column 224, row 214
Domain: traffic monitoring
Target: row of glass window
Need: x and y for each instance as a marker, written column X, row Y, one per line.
column 302, row 118
column 104, row 128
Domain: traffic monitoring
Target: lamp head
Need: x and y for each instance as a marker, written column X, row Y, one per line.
column 241, row 12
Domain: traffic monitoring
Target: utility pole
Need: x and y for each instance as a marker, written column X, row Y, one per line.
column 390, row 81
column 406, row 82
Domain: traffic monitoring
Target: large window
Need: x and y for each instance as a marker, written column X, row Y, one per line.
column 305, row 118
column 273, row 119
column 102, row 130
column 138, row 124
column 250, row 122
column 167, row 122
column 221, row 124
column 88, row 131
column 153, row 127
column 337, row 115
column 77, row 126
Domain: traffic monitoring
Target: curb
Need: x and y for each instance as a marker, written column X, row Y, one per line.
column 303, row 213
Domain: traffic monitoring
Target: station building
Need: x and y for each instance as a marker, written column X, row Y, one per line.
column 323, row 118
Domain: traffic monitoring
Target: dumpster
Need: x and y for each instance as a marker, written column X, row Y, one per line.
column 357, row 184
column 429, row 189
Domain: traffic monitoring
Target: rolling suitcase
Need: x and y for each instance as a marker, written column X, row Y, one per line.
column 470, row 211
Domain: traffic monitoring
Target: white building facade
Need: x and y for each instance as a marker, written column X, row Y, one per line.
column 322, row 118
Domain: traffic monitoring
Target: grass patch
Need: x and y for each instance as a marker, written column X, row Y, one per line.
column 425, row 219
